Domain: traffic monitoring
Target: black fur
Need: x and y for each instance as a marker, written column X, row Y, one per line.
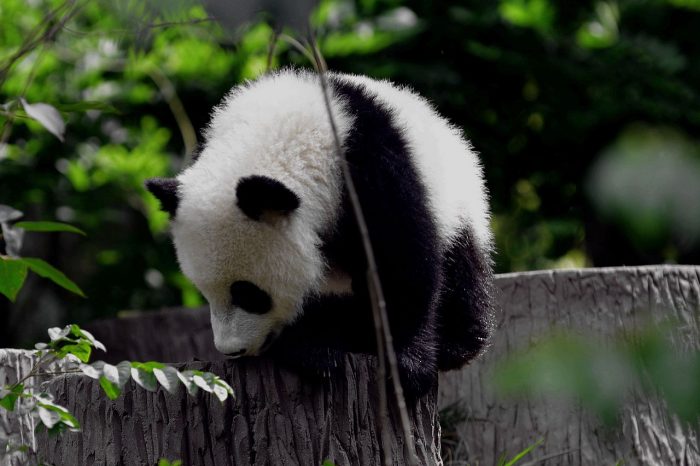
column 260, row 194
column 465, row 314
column 406, row 245
column 166, row 191
column 250, row 298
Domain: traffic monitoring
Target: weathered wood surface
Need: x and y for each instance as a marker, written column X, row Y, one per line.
column 17, row 428
column 276, row 419
column 596, row 302
column 14, row 365
column 168, row 335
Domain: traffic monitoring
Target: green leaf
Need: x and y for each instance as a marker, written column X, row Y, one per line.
column 118, row 374
column 167, row 377
column 49, row 226
column 80, row 350
column 225, row 385
column 186, row 379
column 70, row 421
column 202, row 383
column 110, row 388
column 12, row 275
column 87, row 105
column 166, row 462
column 47, row 116
column 57, row 333
column 148, row 366
column 8, row 401
column 55, row 417
column 79, row 332
column 520, row 455
column 212, row 383
column 47, row 416
column 94, row 370
column 9, row 214
column 144, row 377
column 222, row 390
column 46, row 270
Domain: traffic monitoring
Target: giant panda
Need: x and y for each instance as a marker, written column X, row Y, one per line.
column 263, row 226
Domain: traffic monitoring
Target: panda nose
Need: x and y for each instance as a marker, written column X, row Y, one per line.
column 236, row 354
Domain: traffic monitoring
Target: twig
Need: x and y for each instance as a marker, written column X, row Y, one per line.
column 38, row 36
column 271, row 49
column 381, row 320
column 14, row 115
column 34, row 370
column 167, row 90
column 189, row 22
column 549, row 457
column 299, row 47
column 41, row 374
column 47, row 34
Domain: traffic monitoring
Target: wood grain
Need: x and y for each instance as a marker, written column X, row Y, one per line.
column 276, row 419
column 597, row 303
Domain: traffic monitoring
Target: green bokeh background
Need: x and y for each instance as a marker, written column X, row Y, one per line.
column 586, row 116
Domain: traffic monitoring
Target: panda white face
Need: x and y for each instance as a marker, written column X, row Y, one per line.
column 254, row 264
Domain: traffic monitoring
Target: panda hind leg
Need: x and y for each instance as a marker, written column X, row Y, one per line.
column 466, row 310
column 417, row 369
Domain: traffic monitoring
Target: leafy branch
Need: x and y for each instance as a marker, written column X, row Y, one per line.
column 13, row 268
column 73, row 346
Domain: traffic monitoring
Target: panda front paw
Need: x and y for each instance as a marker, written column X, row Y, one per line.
column 311, row 362
column 418, row 376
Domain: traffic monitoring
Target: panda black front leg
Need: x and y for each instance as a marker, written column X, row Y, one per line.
column 330, row 327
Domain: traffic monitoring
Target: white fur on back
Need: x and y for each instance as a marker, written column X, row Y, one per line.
column 450, row 169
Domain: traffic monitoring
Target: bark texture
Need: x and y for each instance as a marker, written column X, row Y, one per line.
column 276, row 419
column 279, row 419
column 17, row 427
column 598, row 302
column 168, row 335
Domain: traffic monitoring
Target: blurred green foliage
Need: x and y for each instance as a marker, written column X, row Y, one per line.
column 546, row 90
column 605, row 376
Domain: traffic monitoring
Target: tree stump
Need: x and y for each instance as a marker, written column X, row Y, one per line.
column 276, row 419
column 168, row 335
column 598, row 302
column 17, row 428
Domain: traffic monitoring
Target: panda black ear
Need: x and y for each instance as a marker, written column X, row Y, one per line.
column 259, row 195
column 166, row 190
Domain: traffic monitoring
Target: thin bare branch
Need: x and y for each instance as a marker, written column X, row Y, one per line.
column 42, row 34
column 385, row 345
column 109, row 32
column 167, row 90
column 299, row 47
column 271, row 49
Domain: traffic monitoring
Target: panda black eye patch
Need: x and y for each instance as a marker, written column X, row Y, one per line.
column 259, row 194
column 250, row 298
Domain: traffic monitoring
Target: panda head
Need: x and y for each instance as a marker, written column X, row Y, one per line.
column 249, row 260
column 248, row 216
